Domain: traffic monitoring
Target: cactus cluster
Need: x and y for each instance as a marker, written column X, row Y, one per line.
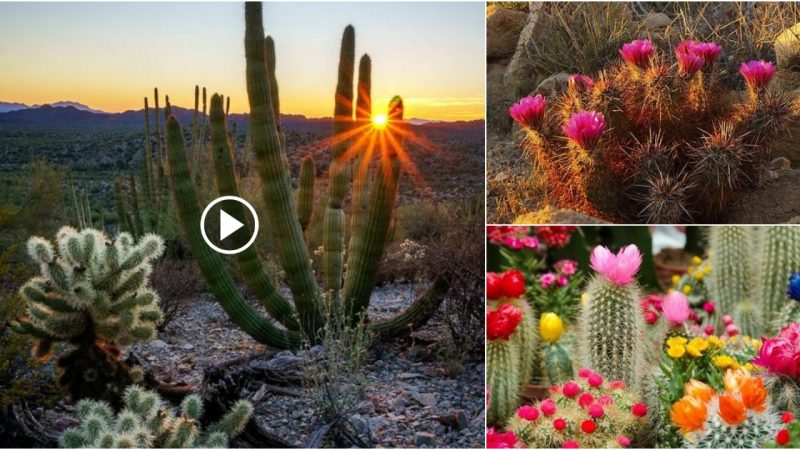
column 750, row 275
column 654, row 141
column 145, row 421
column 289, row 213
column 92, row 292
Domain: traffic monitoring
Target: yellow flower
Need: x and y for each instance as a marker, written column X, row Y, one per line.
column 550, row 327
column 697, row 260
column 687, row 289
column 676, row 279
column 676, row 341
column 696, row 347
column 725, row 361
column 690, row 270
column 715, row 341
column 757, row 343
column 699, row 275
column 750, row 367
column 707, row 269
column 676, row 351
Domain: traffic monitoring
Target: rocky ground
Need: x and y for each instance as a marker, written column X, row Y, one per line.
column 409, row 399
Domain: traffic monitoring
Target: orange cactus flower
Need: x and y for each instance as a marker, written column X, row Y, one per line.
column 731, row 410
column 733, row 379
column 689, row 414
column 754, row 394
column 698, row 390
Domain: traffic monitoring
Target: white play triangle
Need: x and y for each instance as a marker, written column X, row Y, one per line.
column 227, row 225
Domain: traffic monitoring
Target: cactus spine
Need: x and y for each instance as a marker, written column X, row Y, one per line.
column 503, row 378
column 309, row 309
column 757, row 429
column 147, row 422
column 93, row 293
column 612, row 327
column 749, row 318
column 729, row 282
column 777, row 256
column 558, row 365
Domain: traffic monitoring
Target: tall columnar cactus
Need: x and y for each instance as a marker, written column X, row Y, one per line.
column 612, row 326
column 92, row 293
column 730, row 253
column 147, row 422
column 777, row 256
column 503, row 365
column 557, row 363
column 749, row 319
column 305, row 192
column 307, row 312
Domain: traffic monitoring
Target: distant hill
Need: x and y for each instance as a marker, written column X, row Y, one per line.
column 76, row 116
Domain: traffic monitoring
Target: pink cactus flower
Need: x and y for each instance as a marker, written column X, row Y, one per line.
column 708, row 51
column 781, row 354
column 596, row 410
column 547, row 279
column 708, row 330
column 529, row 111
column 688, row 63
column 548, row 407
column 676, row 308
column 584, row 128
column 709, row 307
column 623, row 441
column 637, row 52
column 571, row 389
column 757, row 73
column 727, row 319
column 617, row 384
column 732, row 330
column 562, row 280
column 585, row 372
column 513, row 243
column 570, row 444
column 578, row 82
column 530, row 242
column 595, row 380
column 528, row 413
column 585, row 399
column 500, row 440
column 605, row 400
column 619, row 269
column 567, row 266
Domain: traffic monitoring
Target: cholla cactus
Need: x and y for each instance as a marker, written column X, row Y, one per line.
column 588, row 413
column 777, row 257
column 730, row 252
column 612, row 325
column 147, row 422
column 649, row 140
column 93, row 293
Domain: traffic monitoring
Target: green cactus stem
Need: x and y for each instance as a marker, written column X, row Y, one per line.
column 305, row 192
column 730, row 250
column 777, row 257
column 557, row 363
column 611, row 341
column 502, row 379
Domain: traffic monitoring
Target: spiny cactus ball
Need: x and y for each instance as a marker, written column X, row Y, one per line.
column 147, row 422
column 91, row 288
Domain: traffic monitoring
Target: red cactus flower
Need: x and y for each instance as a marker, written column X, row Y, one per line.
column 559, row 424
column 529, row 111
column 555, row 236
column 570, row 444
column 637, row 52
column 513, row 284
column 528, row 412
column 571, row 389
column 585, row 372
column 502, row 322
column 500, row 440
column 639, row 410
column 494, row 285
column 584, row 128
column 596, row 410
column 787, row 417
column 783, row 437
column 709, row 307
column 548, row 407
column 588, row 426
column 595, row 380
column 757, row 73
column 585, row 399
column 579, row 83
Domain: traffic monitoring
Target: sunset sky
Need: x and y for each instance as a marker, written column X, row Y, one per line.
column 110, row 55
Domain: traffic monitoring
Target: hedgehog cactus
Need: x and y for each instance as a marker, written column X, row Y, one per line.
column 302, row 318
column 730, row 250
column 612, row 324
column 777, row 257
column 145, row 421
column 93, row 293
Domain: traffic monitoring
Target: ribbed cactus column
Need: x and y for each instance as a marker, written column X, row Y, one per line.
column 219, row 280
column 503, row 372
column 363, row 157
column 777, row 256
column 730, row 252
column 338, row 173
column 611, row 340
column 305, row 192
column 249, row 265
column 274, row 175
column 269, row 48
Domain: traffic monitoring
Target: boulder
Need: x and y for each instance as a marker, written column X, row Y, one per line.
column 656, row 21
column 502, row 31
column 553, row 85
column 518, row 76
column 787, row 55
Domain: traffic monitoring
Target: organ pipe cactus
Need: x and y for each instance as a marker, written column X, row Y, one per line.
column 305, row 192
column 776, row 258
column 730, row 250
column 302, row 318
column 147, row 422
column 92, row 293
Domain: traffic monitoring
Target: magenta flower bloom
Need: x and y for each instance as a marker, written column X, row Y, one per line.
column 709, row 307
column 619, row 269
column 578, row 82
column 528, row 412
column 781, row 355
column 529, row 111
column 757, row 73
column 567, row 266
column 531, row 242
column 637, row 52
column 676, row 308
column 585, row 128
column 500, row 440
column 688, row 62
column 547, row 279
column 708, row 51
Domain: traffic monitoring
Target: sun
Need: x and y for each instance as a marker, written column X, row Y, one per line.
column 379, row 121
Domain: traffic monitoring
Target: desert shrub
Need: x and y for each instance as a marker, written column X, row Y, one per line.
column 651, row 140
column 516, row 6
column 178, row 283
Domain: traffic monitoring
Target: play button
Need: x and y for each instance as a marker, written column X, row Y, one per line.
column 226, row 217
column 227, row 225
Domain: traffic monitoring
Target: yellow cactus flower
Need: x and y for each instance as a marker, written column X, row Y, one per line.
column 707, row 269
column 687, row 289
column 690, row 270
column 676, row 351
column 757, row 343
column 696, row 347
column 715, row 341
column 697, row 260
column 676, row 279
column 725, row 362
column 675, row 341
column 550, row 327
column 699, row 275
